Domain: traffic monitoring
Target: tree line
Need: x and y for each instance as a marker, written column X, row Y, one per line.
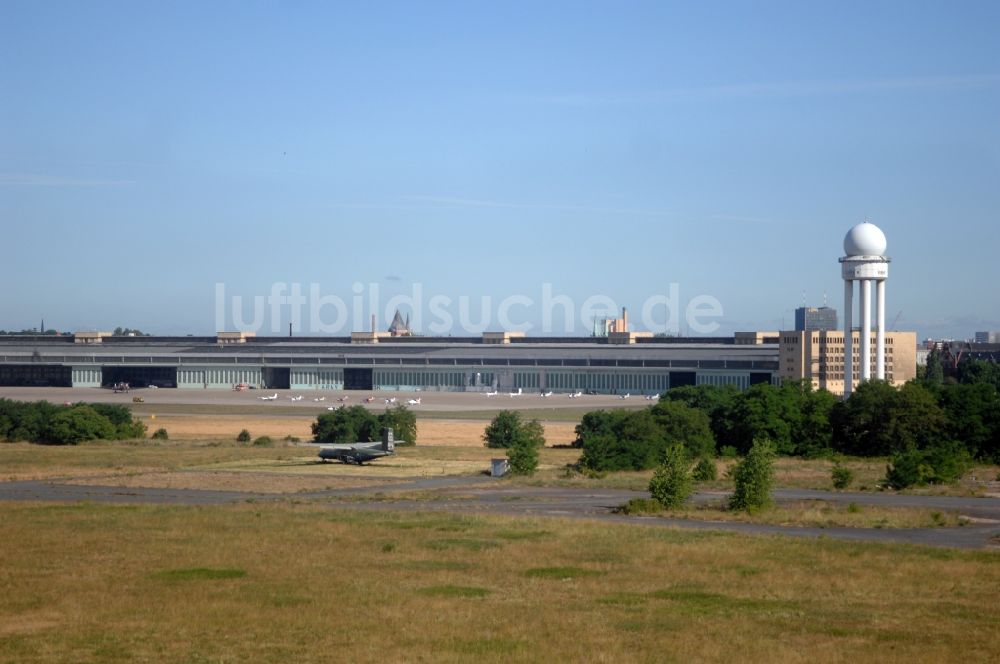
column 44, row 422
column 931, row 428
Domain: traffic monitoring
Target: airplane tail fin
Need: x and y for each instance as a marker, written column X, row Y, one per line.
column 388, row 443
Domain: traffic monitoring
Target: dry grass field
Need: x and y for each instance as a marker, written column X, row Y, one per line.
column 296, row 582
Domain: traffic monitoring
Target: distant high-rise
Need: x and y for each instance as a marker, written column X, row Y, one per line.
column 810, row 319
column 987, row 337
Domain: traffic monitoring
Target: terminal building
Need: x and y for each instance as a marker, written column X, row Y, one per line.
column 623, row 362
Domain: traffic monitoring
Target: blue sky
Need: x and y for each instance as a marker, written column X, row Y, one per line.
column 149, row 151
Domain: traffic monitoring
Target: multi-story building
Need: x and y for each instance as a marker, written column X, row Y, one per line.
column 818, row 356
column 815, row 318
column 987, row 337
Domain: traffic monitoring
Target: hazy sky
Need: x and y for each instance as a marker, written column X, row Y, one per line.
column 150, row 151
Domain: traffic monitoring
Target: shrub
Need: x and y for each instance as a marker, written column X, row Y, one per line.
column 292, row 439
column 77, row 424
column 943, row 463
column 524, row 440
column 355, row 424
column 841, row 476
column 160, row 434
column 403, row 423
column 523, row 458
column 263, row 441
column 728, row 452
column 502, row 431
column 671, row 483
column 754, row 476
column 631, row 440
column 641, row 506
column 243, row 436
column 705, row 470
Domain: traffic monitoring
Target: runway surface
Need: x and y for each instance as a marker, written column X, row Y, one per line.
column 484, row 495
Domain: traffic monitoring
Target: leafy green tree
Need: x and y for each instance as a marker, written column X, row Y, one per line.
column 634, row 442
column 972, row 410
column 522, row 455
column 972, row 371
column 681, row 423
column 355, row 424
column 160, row 434
column 243, row 436
column 78, row 424
column 713, row 400
column 934, row 373
column 754, row 477
column 878, row 419
column 403, row 423
column 941, row 464
column 503, row 430
column 671, row 482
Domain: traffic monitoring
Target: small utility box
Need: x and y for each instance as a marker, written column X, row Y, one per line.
column 499, row 467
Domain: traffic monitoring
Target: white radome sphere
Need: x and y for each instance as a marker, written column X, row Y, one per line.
column 865, row 239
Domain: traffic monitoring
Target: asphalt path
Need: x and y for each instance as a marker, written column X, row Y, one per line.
column 484, row 495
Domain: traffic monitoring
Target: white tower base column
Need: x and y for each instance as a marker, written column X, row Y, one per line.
column 880, row 329
column 866, row 329
column 848, row 337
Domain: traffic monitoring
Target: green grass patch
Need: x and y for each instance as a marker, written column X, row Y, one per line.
column 515, row 535
column 559, row 573
column 467, row 543
column 199, row 574
column 453, row 591
column 435, row 565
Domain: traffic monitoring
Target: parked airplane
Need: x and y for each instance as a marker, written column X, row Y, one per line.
column 319, row 399
column 370, row 399
column 652, row 397
column 626, row 395
column 359, row 453
column 518, row 393
column 273, row 397
column 547, row 394
column 298, row 398
column 414, row 402
column 576, row 395
column 333, row 407
column 493, row 393
column 390, row 400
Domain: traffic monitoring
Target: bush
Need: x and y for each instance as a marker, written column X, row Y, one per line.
column 243, row 436
column 627, row 440
column 943, row 463
column 263, row 441
column 521, row 439
column 754, row 476
column 502, row 430
column 355, row 424
column 728, row 452
column 523, row 457
column 160, row 434
column 292, row 439
column 705, row 470
column 841, row 476
column 403, row 423
column 77, row 424
column 641, row 506
column 671, row 483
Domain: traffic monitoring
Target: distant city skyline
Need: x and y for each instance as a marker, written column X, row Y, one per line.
column 150, row 152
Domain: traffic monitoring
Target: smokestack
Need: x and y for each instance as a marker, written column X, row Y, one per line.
column 625, row 318
column 289, row 329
